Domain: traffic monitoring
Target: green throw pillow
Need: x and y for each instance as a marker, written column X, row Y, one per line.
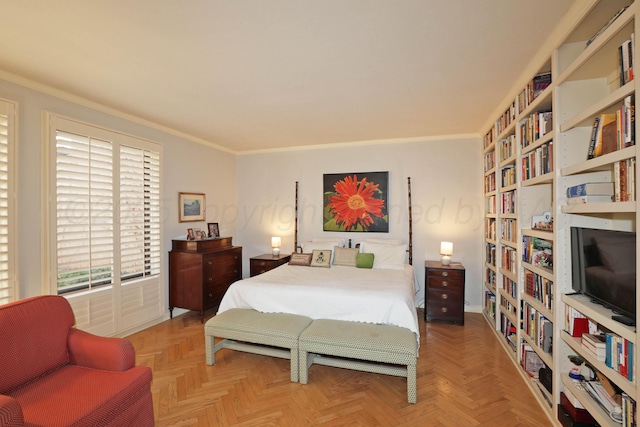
column 364, row 261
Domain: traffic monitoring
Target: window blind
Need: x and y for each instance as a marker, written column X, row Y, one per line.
column 8, row 291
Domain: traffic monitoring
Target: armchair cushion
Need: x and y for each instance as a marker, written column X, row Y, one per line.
column 74, row 395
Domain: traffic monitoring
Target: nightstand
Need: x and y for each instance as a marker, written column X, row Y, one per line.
column 261, row 263
column 444, row 292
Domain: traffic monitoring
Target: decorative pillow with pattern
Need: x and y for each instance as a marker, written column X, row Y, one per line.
column 300, row 259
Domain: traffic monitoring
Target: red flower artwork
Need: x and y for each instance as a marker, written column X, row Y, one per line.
column 354, row 203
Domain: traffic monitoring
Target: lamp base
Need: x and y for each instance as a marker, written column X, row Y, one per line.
column 446, row 260
column 276, row 251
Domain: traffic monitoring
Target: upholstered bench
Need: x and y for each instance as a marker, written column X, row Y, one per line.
column 255, row 332
column 380, row 346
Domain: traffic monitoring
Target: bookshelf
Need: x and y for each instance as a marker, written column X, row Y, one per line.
column 534, row 150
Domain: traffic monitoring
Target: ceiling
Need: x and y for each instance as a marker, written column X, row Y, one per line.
column 251, row 75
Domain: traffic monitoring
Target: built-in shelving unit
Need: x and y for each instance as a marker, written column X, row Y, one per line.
column 536, row 149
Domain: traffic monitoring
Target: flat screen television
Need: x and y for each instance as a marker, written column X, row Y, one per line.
column 603, row 264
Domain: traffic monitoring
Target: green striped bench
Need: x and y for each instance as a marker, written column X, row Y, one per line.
column 255, row 332
column 368, row 347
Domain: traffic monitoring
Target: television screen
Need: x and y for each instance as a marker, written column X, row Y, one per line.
column 604, row 267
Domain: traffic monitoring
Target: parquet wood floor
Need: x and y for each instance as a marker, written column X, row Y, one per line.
column 464, row 379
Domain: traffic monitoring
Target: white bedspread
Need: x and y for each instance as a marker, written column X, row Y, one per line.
column 340, row 293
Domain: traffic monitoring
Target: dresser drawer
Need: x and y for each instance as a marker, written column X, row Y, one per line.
column 446, row 283
column 459, row 274
column 445, row 311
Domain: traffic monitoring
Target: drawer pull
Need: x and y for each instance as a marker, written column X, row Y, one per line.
column 262, row 263
column 210, row 279
column 210, row 295
column 445, row 283
column 235, row 257
column 443, row 309
column 445, row 296
column 209, row 262
column 445, row 273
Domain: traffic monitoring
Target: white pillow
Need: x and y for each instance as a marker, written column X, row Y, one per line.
column 386, row 256
column 309, row 247
column 344, row 256
column 340, row 242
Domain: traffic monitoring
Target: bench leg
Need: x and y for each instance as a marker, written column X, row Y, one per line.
column 412, row 393
column 294, row 362
column 304, row 366
column 210, row 349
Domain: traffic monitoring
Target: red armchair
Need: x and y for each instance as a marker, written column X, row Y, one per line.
column 52, row 374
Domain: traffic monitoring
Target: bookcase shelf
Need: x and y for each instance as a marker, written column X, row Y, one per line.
column 596, row 411
column 585, row 82
column 625, row 385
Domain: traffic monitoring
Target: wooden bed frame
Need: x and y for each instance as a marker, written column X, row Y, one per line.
column 410, row 249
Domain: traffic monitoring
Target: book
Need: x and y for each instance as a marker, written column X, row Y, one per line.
column 594, row 136
column 597, row 340
column 583, row 200
column 605, row 119
column 591, row 189
column 609, row 134
column 606, row 25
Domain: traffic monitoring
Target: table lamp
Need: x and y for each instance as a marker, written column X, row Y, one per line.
column 275, row 245
column 446, row 250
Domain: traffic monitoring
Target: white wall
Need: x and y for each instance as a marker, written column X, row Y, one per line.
column 187, row 166
column 446, row 181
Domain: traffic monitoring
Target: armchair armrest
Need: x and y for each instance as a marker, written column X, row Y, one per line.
column 92, row 351
column 10, row 412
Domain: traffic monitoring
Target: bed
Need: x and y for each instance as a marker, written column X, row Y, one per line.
column 384, row 294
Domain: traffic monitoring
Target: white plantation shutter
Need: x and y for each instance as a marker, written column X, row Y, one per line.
column 84, row 201
column 139, row 213
column 105, row 225
column 8, row 290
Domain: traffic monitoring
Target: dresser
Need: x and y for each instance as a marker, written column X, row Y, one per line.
column 262, row 263
column 444, row 292
column 200, row 271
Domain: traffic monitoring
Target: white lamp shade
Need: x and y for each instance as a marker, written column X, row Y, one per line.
column 275, row 245
column 446, row 248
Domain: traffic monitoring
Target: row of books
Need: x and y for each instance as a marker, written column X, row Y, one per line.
column 533, row 89
column 490, row 254
column 628, row 411
column 538, row 327
column 606, row 25
column 590, row 192
column 539, row 288
column 531, row 362
column 619, row 355
column 626, row 60
column 613, row 131
column 624, row 180
column 537, row 251
column 510, row 287
column 491, row 204
column 509, row 332
column 509, row 259
column 508, row 202
column 508, row 229
column 490, row 277
column 508, row 175
column 507, row 306
column 535, row 127
column 490, row 304
column 489, row 160
column 490, row 228
column 538, row 162
column 507, row 148
column 490, row 183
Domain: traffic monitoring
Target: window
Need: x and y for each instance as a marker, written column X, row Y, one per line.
column 105, row 222
column 8, row 287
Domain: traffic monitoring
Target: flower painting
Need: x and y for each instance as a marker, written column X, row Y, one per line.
column 356, row 202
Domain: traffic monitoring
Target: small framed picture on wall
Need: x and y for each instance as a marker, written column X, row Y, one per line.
column 191, row 207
